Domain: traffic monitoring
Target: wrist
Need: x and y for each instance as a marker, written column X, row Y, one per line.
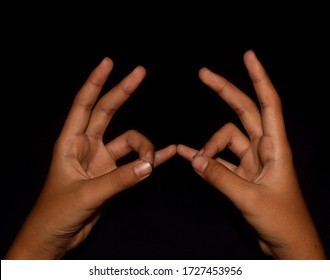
column 308, row 248
column 32, row 244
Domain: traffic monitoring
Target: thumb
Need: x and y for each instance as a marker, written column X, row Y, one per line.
column 230, row 184
column 104, row 187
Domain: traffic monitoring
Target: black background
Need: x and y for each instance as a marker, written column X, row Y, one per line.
column 173, row 214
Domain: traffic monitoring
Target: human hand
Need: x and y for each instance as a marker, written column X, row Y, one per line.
column 83, row 174
column 264, row 186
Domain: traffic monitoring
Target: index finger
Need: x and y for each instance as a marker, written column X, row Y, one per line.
column 244, row 107
column 78, row 117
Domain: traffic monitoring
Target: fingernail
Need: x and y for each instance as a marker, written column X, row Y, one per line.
column 200, row 163
column 142, row 169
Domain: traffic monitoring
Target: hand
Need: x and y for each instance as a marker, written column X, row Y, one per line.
column 264, row 185
column 83, row 174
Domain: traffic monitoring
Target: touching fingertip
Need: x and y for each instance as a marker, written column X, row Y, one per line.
column 174, row 148
column 200, row 163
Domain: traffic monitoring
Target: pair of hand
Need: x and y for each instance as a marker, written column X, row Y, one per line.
column 83, row 174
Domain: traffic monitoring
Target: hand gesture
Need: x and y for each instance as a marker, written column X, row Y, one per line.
column 83, row 174
column 264, row 185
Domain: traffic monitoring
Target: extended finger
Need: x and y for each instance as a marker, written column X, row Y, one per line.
column 131, row 140
column 111, row 102
column 85, row 99
column 164, row 154
column 244, row 106
column 272, row 117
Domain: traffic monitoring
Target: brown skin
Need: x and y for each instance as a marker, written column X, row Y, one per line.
column 264, row 186
column 83, row 174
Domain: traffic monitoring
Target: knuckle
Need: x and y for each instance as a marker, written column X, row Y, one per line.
column 133, row 132
column 226, row 131
column 107, row 110
column 230, row 127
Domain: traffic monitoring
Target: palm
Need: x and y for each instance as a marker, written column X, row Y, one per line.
column 95, row 158
column 250, row 165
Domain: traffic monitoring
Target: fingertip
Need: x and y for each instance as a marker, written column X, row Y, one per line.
column 106, row 61
column 249, row 55
column 142, row 169
column 141, row 70
column 186, row 152
column 249, row 52
column 180, row 148
column 172, row 149
column 104, row 67
column 200, row 163
column 203, row 71
column 254, row 66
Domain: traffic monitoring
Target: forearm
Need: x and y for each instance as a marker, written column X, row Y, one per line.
column 308, row 247
column 32, row 243
column 303, row 243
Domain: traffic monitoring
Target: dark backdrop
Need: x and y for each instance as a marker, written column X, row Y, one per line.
column 173, row 214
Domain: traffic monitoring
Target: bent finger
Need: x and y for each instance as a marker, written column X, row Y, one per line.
column 227, row 136
column 131, row 140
